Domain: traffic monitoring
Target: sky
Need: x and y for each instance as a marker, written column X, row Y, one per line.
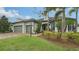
column 27, row 12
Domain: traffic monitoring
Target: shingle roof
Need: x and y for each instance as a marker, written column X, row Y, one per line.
column 51, row 19
column 25, row 20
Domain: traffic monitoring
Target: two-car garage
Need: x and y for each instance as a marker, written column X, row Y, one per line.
column 27, row 26
column 21, row 29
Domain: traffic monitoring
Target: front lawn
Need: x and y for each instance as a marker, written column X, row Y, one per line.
column 27, row 43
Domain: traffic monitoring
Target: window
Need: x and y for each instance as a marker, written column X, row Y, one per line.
column 70, row 27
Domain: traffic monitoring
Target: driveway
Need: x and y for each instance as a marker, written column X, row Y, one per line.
column 8, row 35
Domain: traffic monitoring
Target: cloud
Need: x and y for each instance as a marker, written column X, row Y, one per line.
column 13, row 15
column 9, row 13
column 28, row 17
column 6, row 13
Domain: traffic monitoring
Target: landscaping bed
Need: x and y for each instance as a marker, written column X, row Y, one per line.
column 69, row 39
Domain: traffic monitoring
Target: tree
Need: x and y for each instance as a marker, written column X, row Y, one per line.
column 58, row 24
column 75, row 9
column 46, row 12
column 61, row 12
column 39, row 25
column 69, row 21
column 4, row 24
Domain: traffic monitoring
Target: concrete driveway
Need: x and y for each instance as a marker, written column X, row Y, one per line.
column 8, row 35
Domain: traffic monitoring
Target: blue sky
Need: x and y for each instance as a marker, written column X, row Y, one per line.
column 26, row 12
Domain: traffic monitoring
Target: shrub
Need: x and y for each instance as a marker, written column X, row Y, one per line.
column 73, row 37
column 76, row 38
column 66, row 37
column 50, row 35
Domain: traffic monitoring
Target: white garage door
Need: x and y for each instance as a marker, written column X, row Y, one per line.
column 18, row 28
column 28, row 28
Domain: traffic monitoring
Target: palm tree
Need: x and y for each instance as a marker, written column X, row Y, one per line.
column 61, row 11
column 46, row 12
column 75, row 9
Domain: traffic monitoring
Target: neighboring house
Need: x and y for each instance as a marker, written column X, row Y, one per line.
column 30, row 25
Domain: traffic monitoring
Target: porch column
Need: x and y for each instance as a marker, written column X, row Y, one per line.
column 23, row 28
column 67, row 29
column 71, row 28
column 12, row 27
column 56, row 30
column 33, row 27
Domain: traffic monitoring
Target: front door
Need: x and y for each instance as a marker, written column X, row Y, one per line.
column 44, row 26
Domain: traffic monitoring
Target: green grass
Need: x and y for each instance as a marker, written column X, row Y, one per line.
column 26, row 43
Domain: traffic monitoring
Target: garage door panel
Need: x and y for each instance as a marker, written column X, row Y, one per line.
column 18, row 28
column 28, row 28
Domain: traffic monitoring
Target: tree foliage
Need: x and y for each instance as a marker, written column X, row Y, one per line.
column 75, row 9
column 4, row 24
column 69, row 21
column 39, row 24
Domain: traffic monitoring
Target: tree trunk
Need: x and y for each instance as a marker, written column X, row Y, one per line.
column 63, row 24
column 63, row 21
column 46, row 18
column 76, row 20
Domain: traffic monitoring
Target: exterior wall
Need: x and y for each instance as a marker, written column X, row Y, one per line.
column 17, row 24
column 67, row 29
column 56, row 28
column 78, row 29
column 24, row 26
column 44, row 22
column 33, row 26
column 12, row 28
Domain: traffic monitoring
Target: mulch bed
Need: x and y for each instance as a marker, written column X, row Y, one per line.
column 61, row 43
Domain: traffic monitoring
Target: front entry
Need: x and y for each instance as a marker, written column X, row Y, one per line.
column 44, row 27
